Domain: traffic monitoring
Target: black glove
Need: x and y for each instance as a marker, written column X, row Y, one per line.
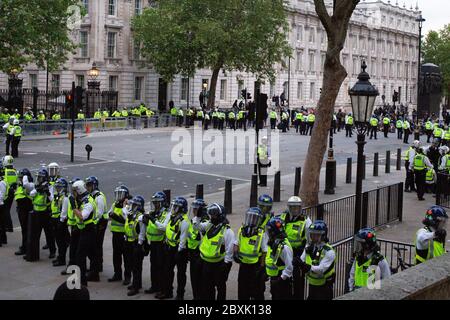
column 440, row 235
column 72, row 202
column 152, row 218
column 181, row 256
column 227, row 269
column 304, row 267
column 309, row 250
column 296, row 261
column 145, row 219
column 236, row 258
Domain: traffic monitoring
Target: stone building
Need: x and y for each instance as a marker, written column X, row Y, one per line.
column 383, row 33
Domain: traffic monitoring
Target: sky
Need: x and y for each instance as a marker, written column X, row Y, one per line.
column 436, row 12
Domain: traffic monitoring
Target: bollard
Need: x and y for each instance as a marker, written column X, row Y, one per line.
column 375, row 165
column 364, row 168
column 254, row 191
column 298, row 180
column 228, row 202
column 199, row 191
column 399, row 159
column 277, row 187
column 348, row 177
column 167, row 193
column 388, row 162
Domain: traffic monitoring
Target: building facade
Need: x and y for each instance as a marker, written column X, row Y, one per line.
column 382, row 33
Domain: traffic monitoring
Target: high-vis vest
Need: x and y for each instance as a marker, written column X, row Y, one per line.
column 406, row 125
column 386, row 121
column 374, row 122
column 199, row 114
column 437, row 132
column 40, row 202
column 20, row 193
column 350, row 121
column 56, row 205
column 10, row 176
column 447, row 135
column 117, row 226
column 105, row 214
column 429, row 177
column 71, row 221
column 213, row 249
column 315, row 279
column 130, row 228
column 18, row 132
column 419, row 162
column 231, row 115
column 435, row 249
column 295, row 231
column 173, row 231
column 362, row 271
column 406, row 157
column 153, row 233
column 194, row 237
column 273, row 115
column 262, row 152
column 274, row 265
column 81, row 224
column 399, row 124
column 250, row 247
column 429, row 125
column 311, row 118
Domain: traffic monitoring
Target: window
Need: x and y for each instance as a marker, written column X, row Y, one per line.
column 33, row 80
column 223, row 89
column 80, row 80
column 138, row 81
column 311, row 62
column 272, row 89
column 300, row 33
column 355, row 66
column 86, row 5
column 137, row 51
column 372, row 45
column 83, row 44
column 391, row 48
column 312, row 91
column 55, row 82
column 383, row 68
column 383, row 19
column 373, row 67
column 322, row 61
column 112, row 7
column 391, row 69
column 299, row 90
column 312, row 34
column 113, row 83
column 299, row 64
column 240, row 88
column 363, row 43
column 399, row 70
column 184, row 89
column 111, row 44
column 138, row 7
column 323, row 35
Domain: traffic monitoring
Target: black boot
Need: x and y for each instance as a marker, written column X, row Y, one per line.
column 132, row 292
column 127, row 281
column 20, row 252
column 115, row 278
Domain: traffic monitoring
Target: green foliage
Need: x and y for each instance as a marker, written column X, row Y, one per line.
column 34, row 31
column 436, row 49
column 179, row 37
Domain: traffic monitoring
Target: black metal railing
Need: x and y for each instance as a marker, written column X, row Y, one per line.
column 443, row 190
column 380, row 206
column 397, row 254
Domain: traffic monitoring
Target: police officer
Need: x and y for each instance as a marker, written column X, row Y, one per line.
column 60, row 203
column 24, row 206
column 279, row 260
column 369, row 264
column 311, row 119
column 117, row 228
column 101, row 219
column 17, row 135
column 373, row 127
column 3, row 196
column 386, row 125
column 175, row 252
column 250, row 251
column 273, row 119
column 444, row 165
column 136, row 243
column 216, row 252
column 265, row 203
column 40, row 217
column 429, row 129
column 85, row 213
column 318, row 262
column 409, row 157
column 348, row 125
column 80, row 115
column 54, row 173
column 406, row 130
column 296, row 223
column 198, row 209
column 263, row 158
column 156, row 221
column 68, row 216
column 232, row 120
column 9, row 132
column 430, row 240
column 399, row 126
column 10, row 177
column 433, row 153
column 419, row 166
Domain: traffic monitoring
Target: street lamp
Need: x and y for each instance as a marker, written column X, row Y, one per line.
column 362, row 97
column 205, row 92
column 93, row 74
column 420, row 20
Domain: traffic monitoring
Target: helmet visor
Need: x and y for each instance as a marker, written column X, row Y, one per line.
column 60, row 189
column 358, row 245
column 314, row 236
column 120, row 194
column 53, row 171
column 295, row 210
column 40, row 179
column 156, row 204
column 252, row 219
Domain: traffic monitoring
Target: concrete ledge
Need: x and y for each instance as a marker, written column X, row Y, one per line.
column 427, row 281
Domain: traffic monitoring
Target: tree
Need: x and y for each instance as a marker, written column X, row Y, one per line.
column 179, row 37
column 336, row 27
column 35, row 31
column 436, row 50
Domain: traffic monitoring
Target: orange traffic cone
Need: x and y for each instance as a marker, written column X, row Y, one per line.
column 88, row 129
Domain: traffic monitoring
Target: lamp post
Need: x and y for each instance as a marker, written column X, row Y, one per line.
column 205, row 92
column 93, row 74
column 362, row 97
column 420, row 20
column 15, row 90
column 330, row 168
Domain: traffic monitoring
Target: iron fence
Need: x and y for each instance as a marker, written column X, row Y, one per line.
column 395, row 253
column 443, row 190
column 380, row 206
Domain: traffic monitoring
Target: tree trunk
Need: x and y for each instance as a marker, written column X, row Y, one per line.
column 212, row 87
column 334, row 75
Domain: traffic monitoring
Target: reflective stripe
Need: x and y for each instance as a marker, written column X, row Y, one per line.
column 130, row 229
column 274, row 266
column 250, row 247
column 153, row 233
column 295, row 232
column 319, row 279
column 10, row 176
column 81, row 224
column 117, row 226
column 40, row 203
column 419, row 162
column 173, row 231
column 210, row 249
column 194, row 237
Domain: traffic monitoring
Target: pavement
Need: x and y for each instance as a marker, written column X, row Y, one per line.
column 143, row 160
